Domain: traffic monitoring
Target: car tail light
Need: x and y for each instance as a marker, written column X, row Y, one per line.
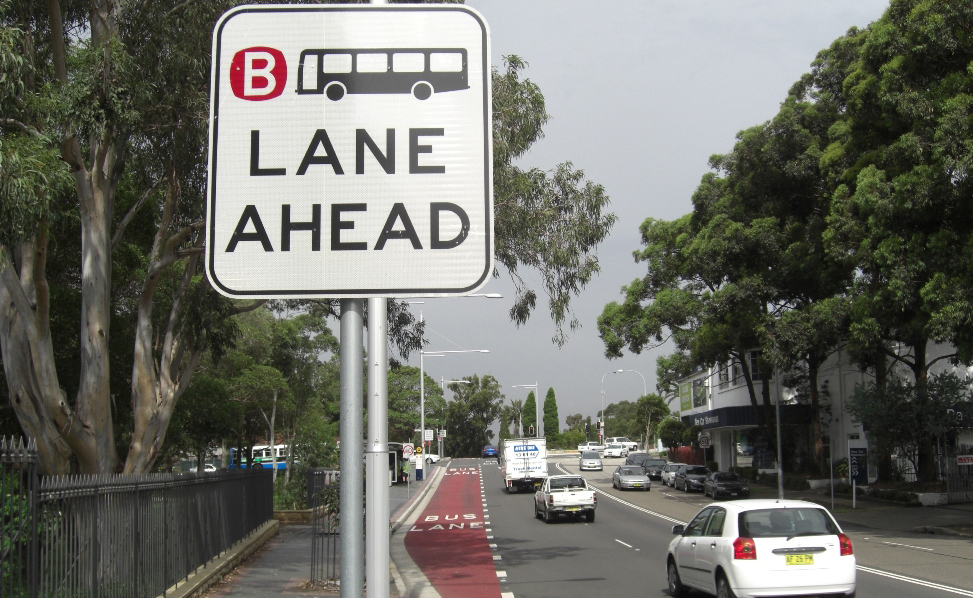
column 846, row 549
column 550, row 500
column 744, row 549
column 594, row 497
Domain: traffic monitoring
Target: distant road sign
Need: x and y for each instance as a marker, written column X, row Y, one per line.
column 418, row 450
column 705, row 441
column 427, row 435
column 407, row 450
column 351, row 152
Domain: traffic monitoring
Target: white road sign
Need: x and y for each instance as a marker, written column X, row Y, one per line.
column 350, row 152
column 407, row 450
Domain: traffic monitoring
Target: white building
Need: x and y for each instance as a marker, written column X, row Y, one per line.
column 717, row 399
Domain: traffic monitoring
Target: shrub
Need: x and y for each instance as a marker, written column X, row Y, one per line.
column 712, row 465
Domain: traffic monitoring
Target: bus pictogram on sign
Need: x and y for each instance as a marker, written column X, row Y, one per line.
column 417, row 71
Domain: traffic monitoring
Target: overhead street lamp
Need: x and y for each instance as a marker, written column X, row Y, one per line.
column 537, row 408
column 442, row 384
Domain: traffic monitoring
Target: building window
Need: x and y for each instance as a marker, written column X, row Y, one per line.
column 737, row 374
column 754, row 368
column 723, row 374
column 699, row 393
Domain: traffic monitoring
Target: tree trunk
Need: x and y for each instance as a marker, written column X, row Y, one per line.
column 816, row 437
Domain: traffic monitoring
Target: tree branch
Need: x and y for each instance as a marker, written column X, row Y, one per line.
column 131, row 214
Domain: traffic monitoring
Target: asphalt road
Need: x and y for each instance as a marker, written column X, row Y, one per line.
column 622, row 552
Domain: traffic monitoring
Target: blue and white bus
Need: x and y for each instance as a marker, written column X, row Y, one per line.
column 262, row 455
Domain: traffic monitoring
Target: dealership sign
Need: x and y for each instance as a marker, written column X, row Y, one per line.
column 350, row 152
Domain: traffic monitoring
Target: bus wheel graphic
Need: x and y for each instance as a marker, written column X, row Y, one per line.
column 422, row 90
column 335, row 91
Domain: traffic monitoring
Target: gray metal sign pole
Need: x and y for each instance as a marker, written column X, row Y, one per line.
column 376, row 454
column 352, row 543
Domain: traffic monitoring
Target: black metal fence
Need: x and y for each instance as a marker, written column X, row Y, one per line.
column 124, row 536
column 323, row 490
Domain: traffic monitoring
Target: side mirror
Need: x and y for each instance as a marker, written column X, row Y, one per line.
column 677, row 530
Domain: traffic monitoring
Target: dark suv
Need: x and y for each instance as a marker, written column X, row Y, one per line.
column 652, row 466
column 690, row 477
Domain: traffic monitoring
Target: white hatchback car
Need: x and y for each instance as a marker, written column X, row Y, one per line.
column 765, row 547
column 616, row 450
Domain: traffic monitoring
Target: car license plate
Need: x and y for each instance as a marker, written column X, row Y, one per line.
column 637, row 484
column 573, row 509
column 733, row 494
column 800, row 559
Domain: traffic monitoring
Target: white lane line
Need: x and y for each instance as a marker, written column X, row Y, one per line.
column 506, row 595
column 915, row 581
column 907, row 546
column 496, row 557
column 623, row 543
column 493, row 545
column 502, row 574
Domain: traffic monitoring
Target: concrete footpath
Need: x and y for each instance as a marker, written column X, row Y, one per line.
column 277, row 559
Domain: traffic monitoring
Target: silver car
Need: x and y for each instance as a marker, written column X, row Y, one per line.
column 590, row 461
column 669, row 473
column 630, row 477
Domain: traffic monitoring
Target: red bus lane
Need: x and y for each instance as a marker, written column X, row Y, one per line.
column 449, row 541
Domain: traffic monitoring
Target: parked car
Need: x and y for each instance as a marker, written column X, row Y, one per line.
column 669, row 473
column 690, row 477
column 591, row 445
column 631, row 477
column 207, row 468
column 761, row 548
column 652, row 465
column 726, row 484
column 616, row 450
column 631, row 445
column 590, row 461
column 490, row 450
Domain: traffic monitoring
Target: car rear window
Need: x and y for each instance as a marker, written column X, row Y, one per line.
column 567, row 483
column 775, row 523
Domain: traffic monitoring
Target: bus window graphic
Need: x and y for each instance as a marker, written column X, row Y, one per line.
column 419, row 71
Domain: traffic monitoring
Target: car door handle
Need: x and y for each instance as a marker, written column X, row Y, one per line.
column 713, row 545
column 693, row 544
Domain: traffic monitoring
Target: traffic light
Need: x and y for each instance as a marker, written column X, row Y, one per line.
column 587, row 429
column 530, row 430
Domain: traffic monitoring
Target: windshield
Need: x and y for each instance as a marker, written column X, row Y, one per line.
column 630, row 471
column 727, row 477
column 775, row 523
column 696, row 471
column 589, row 455
column 567, row 483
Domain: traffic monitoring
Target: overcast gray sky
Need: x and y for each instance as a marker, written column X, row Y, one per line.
column 640, row 94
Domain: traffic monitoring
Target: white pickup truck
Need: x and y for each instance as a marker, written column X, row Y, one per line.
column 565, row 495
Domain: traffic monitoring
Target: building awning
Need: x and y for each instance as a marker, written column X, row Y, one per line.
column 742, row 416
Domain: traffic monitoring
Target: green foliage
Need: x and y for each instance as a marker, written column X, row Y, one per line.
column 551, row 222
column 672, row 432
column 569, row 440
column 551, row 419
column 530, row 413
column 476, row 406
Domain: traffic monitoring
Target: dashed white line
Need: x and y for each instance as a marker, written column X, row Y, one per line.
column 917, row 582
column 623, row 543
column 907, row 546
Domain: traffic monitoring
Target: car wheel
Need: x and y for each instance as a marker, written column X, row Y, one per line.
column 547, row 516
column 614, row 485
column 723, row 589
column 537, row 512
column 675, row 584
column 590, row 516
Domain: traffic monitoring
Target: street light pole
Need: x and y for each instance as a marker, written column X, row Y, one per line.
column 537, row 410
